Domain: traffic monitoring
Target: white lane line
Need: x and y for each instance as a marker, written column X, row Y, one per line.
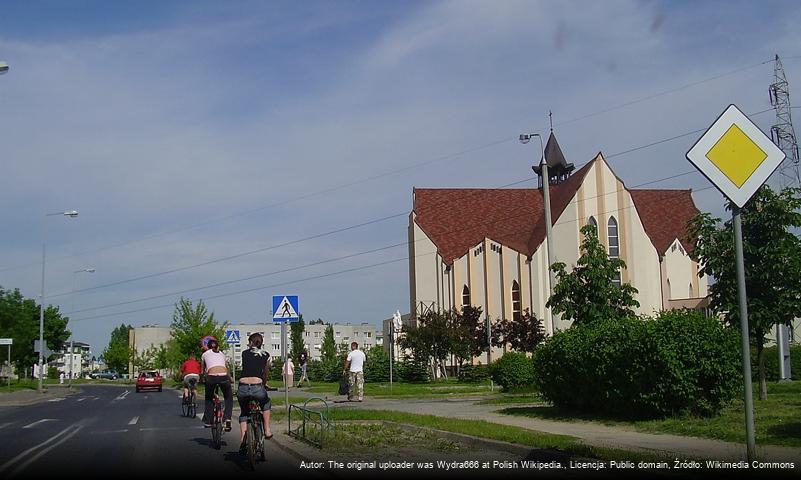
column 122, row 395
column 33, row 449
column 75, row 429
column 31, row 425
column 133, row 421
column 6, row 424
column 82, row 399
column 99, row 432
column 56, row 400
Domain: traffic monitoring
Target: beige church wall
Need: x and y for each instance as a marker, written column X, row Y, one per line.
column 493, row 283
column 426, row 271
column 463, row 267
column 680, row 272
column 477, row 297
column 643, row 265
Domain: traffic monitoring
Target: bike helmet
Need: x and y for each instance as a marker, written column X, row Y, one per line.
column 204, row 342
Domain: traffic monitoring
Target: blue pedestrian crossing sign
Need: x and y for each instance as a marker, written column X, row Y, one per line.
column 285, row 308
column 232, row 337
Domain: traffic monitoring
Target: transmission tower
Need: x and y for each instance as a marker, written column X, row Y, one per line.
column 782, row 132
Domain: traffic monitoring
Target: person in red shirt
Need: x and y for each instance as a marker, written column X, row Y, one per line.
column 191, row 371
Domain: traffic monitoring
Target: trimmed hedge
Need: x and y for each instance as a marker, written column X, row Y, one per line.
column 474, row 373
column 679, row 362
column 412, row 371
column 513, row 370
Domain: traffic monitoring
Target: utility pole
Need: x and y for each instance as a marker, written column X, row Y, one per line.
column 783, row 135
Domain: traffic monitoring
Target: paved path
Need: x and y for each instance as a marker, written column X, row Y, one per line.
column 590, row 433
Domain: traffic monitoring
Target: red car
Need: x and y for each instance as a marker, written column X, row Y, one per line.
column 148, row 381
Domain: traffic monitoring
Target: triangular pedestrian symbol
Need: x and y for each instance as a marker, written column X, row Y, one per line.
column 233, row 336
column 285, row 309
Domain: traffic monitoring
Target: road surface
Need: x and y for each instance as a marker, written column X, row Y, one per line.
column 112, row 430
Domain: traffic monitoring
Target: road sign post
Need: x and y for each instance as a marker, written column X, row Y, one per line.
column 737, row 157
column 285, row 309
column 232, row 338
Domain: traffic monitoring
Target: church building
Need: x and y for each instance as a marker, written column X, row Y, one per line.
column 487, row 247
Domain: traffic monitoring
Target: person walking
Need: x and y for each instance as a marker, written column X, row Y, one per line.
column 303, row 362
column 289, row 373
column 354, row 365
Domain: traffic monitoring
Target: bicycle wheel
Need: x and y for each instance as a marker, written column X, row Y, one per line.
column 259, row 434
column 251, row 439
column 216, row 435
column 192, row 405
column 185, row 406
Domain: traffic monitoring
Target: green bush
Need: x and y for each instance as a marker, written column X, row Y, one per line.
column 474, row 373
column 679, row 362
column 412, row 371
column 772, row 363
column 513, row 370
column 376, row 365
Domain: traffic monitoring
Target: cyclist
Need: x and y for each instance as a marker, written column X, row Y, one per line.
column 191, row 372
column 255, row 365
column 216, row 376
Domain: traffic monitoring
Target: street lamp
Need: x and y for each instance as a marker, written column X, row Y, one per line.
column 3, row 67
column 72, row 338
column 524, row 139
column 71, row 214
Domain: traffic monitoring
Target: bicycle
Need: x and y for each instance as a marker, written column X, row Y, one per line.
column 189, row 402
column 217, row 423
column 254, row 437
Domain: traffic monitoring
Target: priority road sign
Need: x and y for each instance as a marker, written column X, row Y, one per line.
column 232, row 337
column 735, row 156
column 285, row 308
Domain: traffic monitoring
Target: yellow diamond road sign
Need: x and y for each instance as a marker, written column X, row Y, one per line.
column 735, row 156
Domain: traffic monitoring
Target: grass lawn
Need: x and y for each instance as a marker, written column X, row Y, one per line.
column 512, row 399
column 777, row 420
column 495, row 431
column 432, row 389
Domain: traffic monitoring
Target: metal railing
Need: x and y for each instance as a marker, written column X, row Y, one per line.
column 313, row 425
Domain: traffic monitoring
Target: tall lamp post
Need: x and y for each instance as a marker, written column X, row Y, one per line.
column 524, row 139
column 72, row 338
column 3, row 67
column 71, row 214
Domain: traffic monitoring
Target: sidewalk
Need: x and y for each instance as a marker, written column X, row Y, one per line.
column 21, row 398
column 590, row 433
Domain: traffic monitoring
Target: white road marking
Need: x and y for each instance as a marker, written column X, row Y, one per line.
column 82, row 399
column 98, row 432
column 153, row 429
column 55, row 399
column 133, row 421
column 6, row 424
column 27, row 452
column 75, row 429
column 39, row 421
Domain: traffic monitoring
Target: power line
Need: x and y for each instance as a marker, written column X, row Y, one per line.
column 471, row 227
column 317, row 277
column 340, row 230
column 393, row 172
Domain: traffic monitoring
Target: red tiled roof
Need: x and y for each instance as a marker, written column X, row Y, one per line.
column 457, row 219
column 665, row 215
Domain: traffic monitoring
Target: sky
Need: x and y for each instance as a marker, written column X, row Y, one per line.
column 190, row 134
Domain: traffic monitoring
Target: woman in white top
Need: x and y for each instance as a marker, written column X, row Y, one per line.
column 213, row 361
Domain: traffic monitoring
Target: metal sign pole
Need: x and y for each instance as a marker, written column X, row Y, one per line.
column 391, row 350
column 746, row 352
column 283, row 367
column 11, row 369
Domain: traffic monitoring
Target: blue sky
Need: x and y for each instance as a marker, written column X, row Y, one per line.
column 252, row 120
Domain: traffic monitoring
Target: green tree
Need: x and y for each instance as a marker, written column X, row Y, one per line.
column 468, row 334
column 329, row 356
column 319, row 321
column 190, row 324
column 297, row 346
column 431, row 341
column 523, row 334
column 376, row 365
column 118, row 353
column 19, row 320
column 589, row 293
column 772, row 257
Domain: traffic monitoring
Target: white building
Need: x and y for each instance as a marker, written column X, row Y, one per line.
column 74, row 362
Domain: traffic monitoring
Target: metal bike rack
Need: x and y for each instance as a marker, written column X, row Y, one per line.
column 314, row 424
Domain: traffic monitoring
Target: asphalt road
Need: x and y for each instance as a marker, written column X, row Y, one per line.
column 113, row 431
